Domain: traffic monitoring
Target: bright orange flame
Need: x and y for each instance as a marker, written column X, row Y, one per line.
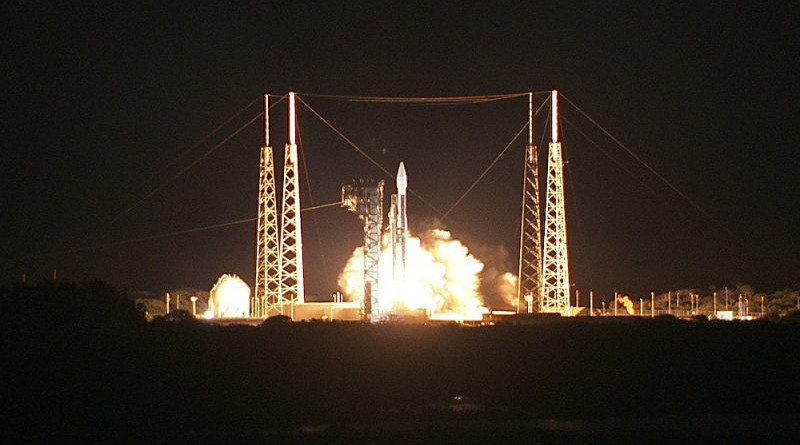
column 626, row 301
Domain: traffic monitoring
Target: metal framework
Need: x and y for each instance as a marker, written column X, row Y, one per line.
column 265, row 301
column 530, row 243
column 555, row 270
column 365, row 199
column 291, row 247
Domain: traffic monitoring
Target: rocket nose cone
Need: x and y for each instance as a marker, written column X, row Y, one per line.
column 402, row 179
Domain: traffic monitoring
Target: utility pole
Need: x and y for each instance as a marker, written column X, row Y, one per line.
column 591, row 303
column 166, row 303
column 641, row 307
column 615, row 304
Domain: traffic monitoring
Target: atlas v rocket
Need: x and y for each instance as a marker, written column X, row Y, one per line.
column 398, row 222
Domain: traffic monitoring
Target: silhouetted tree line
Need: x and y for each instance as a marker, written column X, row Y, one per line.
column 79, row 361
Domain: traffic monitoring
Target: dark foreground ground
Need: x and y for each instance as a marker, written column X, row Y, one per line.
column 79, row 364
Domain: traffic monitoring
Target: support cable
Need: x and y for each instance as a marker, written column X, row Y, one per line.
column 188, row 167
column 366, row 155
column 204, row 138
column 166, row 235
column 491, row 165
column 654, row 172
column 608, row 155
column 302, row 154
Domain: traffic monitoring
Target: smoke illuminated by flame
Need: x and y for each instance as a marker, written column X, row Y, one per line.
column 442, row 278
column 229, row 297
column 626, row 301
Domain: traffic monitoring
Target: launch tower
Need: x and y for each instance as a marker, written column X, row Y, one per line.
column 555, row 269
column 265, row 301
column 530, row 244
column 291, row 258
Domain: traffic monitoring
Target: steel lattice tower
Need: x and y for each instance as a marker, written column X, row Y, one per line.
column 265, row 301
column 555, row 270
column 365, row 198
column 530, row 243
column 291, row 247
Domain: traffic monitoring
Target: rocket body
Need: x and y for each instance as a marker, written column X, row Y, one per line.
column 400, row 226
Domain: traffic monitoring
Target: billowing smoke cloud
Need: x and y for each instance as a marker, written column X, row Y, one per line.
column 229, row 297
column 442, row 277
column 499, row 288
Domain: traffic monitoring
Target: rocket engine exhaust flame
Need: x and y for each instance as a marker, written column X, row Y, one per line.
column 442, row 278
column 627, row 303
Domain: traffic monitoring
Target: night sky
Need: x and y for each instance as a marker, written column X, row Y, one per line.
column 103, row 104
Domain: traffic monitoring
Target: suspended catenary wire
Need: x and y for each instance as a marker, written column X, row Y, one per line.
column 446, row 100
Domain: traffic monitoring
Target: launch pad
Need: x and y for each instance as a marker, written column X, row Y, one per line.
column 543, row 274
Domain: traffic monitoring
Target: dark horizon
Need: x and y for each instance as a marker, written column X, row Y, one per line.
column 101, row 103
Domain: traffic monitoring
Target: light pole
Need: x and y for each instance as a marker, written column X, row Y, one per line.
column 529, row 300
column 715, row 305
column 194, row 305
column 669, row 302
column 653, row 304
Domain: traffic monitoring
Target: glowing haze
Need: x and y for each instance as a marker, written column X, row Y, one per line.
column 442, row 278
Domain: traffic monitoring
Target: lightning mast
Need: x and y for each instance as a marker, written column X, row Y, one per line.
column 291, row 247
column 555, row 273
column 530, row 243
column 265, row 301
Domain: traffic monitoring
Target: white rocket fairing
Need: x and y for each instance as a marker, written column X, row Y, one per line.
column 398, row 221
